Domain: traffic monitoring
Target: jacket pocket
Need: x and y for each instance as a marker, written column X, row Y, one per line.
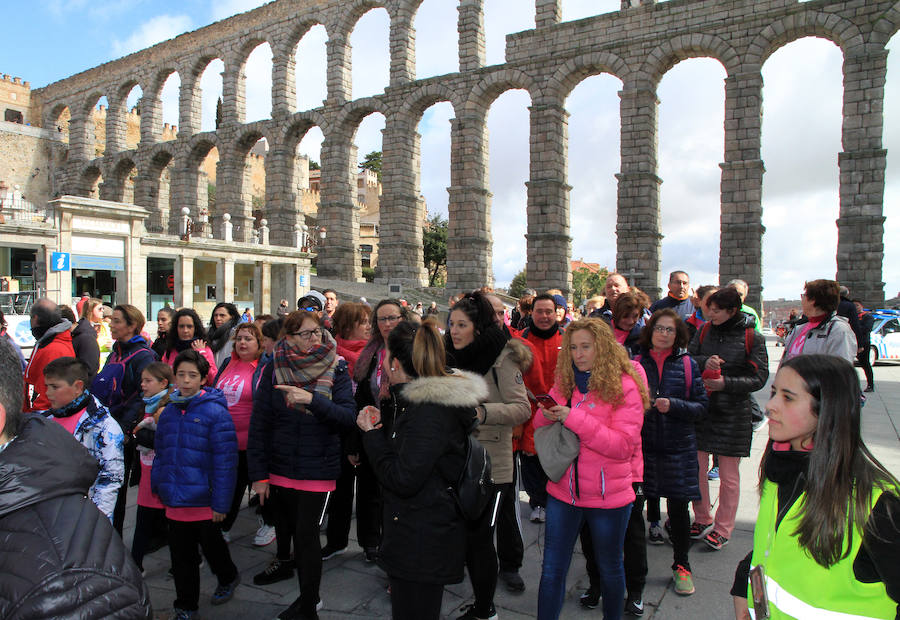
column 488, row 434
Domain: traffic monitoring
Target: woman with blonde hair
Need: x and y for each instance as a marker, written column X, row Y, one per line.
column 601, row 398
column 424, row 543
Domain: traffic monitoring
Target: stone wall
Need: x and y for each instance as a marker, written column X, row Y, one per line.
column 636, row 44
column 28, row 158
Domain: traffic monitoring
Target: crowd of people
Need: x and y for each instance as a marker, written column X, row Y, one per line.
column 597, row 413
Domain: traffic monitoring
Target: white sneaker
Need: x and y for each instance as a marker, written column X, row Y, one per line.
column 538, row 515
column 264, row 535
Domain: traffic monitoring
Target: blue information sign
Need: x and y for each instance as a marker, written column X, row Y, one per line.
column 59, row 261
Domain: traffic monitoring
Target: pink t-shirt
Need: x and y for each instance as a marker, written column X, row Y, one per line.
column 146, row 497
column 189, row 514
column 236, row 383
column 314, row 486
column 800, row 340
column 70, row 423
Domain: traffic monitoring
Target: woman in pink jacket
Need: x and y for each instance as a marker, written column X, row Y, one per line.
column 601, row 398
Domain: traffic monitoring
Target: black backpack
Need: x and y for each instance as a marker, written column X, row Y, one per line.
column 473, row 490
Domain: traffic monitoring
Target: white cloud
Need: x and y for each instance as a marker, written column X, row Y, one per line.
column 151, row 32
column 503, row 17
column 436, row 38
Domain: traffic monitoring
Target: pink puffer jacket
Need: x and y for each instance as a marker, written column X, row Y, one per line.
column 610, row 438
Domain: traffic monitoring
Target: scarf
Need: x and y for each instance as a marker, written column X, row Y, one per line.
column 73, row 407
column 183, row 345
column 678, row 298
column 182, row 401
column 307, row 369
column 581, row 379
column 218, row 336
column 152, row 403
column 479, row 355
column 544, row 334
column 350, row 350
column 45, row 334
column 364, row 361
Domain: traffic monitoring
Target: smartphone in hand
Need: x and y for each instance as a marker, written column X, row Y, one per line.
column 546, row 401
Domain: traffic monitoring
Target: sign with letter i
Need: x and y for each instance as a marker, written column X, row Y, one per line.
column 59, row 261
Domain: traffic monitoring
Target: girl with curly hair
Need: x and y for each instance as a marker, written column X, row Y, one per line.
column 601, row 398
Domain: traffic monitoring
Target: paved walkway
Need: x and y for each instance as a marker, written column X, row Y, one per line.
column 353, row 589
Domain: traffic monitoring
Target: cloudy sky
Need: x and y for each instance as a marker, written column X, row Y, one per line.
column 801, row 126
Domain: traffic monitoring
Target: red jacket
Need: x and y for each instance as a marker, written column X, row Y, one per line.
column 59, row 346
column 539, row 379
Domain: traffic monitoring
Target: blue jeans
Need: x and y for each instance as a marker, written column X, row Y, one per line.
column 608, row 533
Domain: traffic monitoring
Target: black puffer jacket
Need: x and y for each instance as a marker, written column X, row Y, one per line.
column 727, row 428
column 424, row 535
column 59, row 555
column 669, row 440
column 84, row 342
column 300, row 446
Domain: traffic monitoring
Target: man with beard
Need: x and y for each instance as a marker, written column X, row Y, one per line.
column 53, row 339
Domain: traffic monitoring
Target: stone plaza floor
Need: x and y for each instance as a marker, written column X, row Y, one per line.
column 353, row 589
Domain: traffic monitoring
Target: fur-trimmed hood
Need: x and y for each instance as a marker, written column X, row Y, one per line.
column 519, row 352
column 461, row 389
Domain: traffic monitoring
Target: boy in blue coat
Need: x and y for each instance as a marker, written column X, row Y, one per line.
column 194, row 475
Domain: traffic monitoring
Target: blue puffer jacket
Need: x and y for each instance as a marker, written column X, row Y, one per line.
column 196, row 453
column 297, row 445
column 669, row 439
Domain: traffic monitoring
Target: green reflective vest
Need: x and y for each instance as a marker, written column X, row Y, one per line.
column 797, row 586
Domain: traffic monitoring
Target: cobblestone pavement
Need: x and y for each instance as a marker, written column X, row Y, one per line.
column 353, row 589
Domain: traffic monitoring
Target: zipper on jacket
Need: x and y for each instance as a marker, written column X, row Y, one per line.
column 573, row 470
column 602, row 483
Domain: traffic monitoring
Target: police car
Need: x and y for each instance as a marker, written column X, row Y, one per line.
column 885, row 338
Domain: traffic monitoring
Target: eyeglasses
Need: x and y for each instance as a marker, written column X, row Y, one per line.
column 306, row 334
column 659, row 329
column 389, row 319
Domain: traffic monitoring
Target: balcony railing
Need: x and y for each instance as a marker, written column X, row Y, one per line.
column 15, row 209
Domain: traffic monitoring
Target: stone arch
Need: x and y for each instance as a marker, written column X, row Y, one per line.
column 120, row 185
column 58, row 116
column 839, row 31
column 425, row 96
column 496, row 83
column 292, row 133
column 886, row 26
column 154, row 191
column 352, row 114
column 689, row 45
column 90, row 180
column 354, row 10
column 575, row 70
column 191, row 96
column 236, row 77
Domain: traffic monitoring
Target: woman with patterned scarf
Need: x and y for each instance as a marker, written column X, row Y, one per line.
column 303, row 402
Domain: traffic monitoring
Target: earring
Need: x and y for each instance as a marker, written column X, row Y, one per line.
column 393, row 369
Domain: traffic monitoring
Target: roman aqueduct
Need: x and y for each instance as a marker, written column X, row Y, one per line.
column 637, row 44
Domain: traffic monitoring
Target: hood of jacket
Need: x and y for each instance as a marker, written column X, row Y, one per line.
column 63, row 327
column 84, row 327
column 43, row 461
column 136, row 342
column 461, row 389
column 519, row 352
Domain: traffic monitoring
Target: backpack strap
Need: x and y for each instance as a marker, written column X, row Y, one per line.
column 703, row 331
column 748, row 346
column 688, row 375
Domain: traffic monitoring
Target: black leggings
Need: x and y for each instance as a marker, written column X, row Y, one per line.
column 300, row 512
column 863, row 358
column 147, row 522
column 411, row 600
column 680, row 521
